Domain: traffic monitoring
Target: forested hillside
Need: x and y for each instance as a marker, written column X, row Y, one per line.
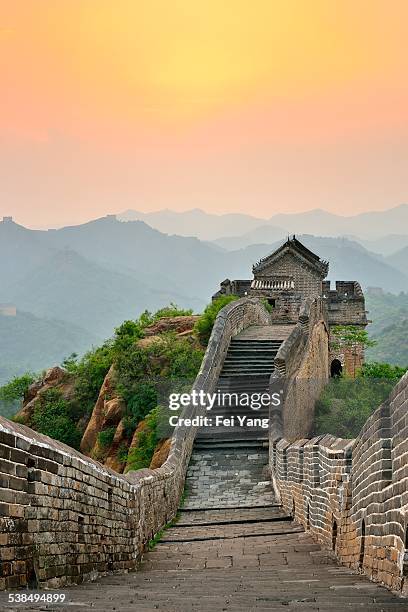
column 33, row 343
column 389, row 315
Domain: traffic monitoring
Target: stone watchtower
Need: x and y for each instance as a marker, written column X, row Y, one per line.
column 288, row 276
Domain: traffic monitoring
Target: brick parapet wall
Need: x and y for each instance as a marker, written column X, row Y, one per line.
column 301, row 370
column 65, row 518
column 353, row 494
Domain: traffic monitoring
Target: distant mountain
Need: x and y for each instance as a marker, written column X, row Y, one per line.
column 208, row 226
column 399, row 260
column 176, row 264
column 264, row 234
column 196, row 222
column 365, row 225
column 386, row 245
column 72, row 288
column 31, row 343
column 100, row 272
column 21, row 251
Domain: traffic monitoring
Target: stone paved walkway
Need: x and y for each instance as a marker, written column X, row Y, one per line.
column 234, row 559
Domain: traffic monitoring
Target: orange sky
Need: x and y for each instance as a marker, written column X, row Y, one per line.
column 257, row 106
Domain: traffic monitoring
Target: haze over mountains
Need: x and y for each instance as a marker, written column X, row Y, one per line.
column 196, row 222
column 77, row 283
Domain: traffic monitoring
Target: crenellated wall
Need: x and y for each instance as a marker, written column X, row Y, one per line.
column 65, row 518
column 302, row 369
column 353, row 494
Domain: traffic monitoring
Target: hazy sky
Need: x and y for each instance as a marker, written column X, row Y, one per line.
column 257, row 106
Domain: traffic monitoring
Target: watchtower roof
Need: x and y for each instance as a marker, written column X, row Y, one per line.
column 294, row 246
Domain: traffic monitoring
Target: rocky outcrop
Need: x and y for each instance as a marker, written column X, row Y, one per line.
column 172, row 324
column 107, row 413
column 120, row 440
column 160, row 454
column 54, row 378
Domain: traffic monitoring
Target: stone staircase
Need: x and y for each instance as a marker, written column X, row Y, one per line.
column 247, row 368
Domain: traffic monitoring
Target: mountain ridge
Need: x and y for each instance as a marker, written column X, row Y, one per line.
column 209, row 226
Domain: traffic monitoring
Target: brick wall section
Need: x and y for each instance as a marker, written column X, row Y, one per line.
column 346, row 306
column 302, row 368
column 65, row 518
column 353, row 494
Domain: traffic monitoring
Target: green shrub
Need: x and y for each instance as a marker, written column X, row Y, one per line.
column 52, row 417
column 141, row 398
column 267, row 305
column 127, row 334
column 122, row 453
column 89, row 373
column 105, row 437
column 384, row 371
column 90, row 370
column 17, row 387
column 346, row 403
column 141, row 456
column 205, row 323
column 148, row 318
column 139, row 370
column 172, row 311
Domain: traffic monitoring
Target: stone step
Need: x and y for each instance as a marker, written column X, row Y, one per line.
column 240, row 354
column 217, row 516
column 243, row 365
column 249, row 361
column 229, row 531
column 261, row 343
column 231, row 444
column 256, row 350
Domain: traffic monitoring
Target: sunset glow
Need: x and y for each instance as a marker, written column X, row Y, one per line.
column 268, row 105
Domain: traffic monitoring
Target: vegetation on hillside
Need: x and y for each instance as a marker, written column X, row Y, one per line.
column 346, row 403
column 54, row 417
column 138, row 369
column 12, row 392
column 206, row 322
column 147, row 439
column 389, row 314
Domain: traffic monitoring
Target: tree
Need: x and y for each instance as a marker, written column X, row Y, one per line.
column 205, row 323
column 351, row 337
column 17, row 387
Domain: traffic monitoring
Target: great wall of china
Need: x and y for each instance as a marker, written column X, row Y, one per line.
column 283, row 519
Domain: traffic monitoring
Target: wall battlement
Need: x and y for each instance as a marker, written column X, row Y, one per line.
column 353, row 494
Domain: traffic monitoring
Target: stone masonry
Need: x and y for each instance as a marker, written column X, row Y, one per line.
column 235, row 548
column 353, row 494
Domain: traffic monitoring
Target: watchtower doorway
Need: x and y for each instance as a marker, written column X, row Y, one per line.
column 336, row 368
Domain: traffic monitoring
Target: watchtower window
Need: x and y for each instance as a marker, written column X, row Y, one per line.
column 272, row 302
